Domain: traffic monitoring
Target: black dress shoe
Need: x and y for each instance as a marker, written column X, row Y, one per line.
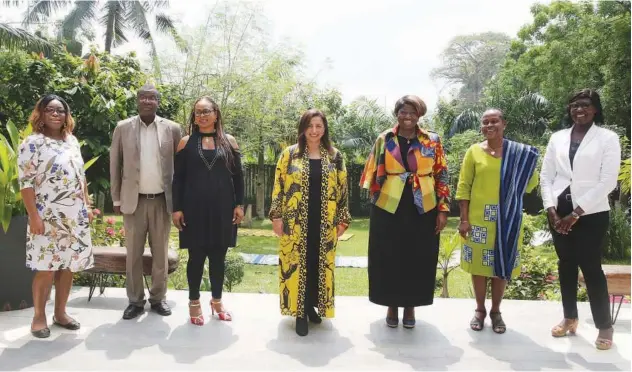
column 301, row 326
column 313, row 316
column 133, row 311
column 161, row 308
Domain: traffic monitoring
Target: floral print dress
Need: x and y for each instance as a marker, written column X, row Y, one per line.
column 54, row 169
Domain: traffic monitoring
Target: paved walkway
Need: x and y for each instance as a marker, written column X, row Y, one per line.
column 260, row 339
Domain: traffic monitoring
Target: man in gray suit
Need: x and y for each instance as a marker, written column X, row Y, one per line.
column 141, row 171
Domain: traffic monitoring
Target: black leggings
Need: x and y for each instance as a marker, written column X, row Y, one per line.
column 582, row 248
column 195, row 270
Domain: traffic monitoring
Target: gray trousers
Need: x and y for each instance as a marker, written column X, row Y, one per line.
column 150, row 218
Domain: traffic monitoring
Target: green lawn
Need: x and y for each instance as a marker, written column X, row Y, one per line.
column 356, row 246
column 349, row 281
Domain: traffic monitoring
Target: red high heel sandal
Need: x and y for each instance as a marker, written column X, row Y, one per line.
column 197, row 320
column 221, row 314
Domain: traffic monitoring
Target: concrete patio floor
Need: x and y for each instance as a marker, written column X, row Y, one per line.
column 259, row 338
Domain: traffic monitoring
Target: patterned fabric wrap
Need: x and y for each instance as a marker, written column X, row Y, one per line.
column 385, row 176
column 518, row 164
column 290, row 199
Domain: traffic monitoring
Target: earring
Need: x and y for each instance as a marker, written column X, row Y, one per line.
column 40, row 125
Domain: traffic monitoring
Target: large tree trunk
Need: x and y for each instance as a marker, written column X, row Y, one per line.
column 260, row 183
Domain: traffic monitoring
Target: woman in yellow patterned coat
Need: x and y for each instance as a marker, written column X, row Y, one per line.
column 309, row 212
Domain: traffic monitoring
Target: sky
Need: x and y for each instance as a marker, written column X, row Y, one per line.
column 382, row 49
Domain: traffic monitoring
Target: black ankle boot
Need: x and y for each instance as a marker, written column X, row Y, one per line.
column 301, row 326
column 312, row 315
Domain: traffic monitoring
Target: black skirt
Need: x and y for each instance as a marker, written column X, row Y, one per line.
column 403, row 254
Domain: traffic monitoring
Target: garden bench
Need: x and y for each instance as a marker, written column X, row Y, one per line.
column 618, row 278
column 112, row 261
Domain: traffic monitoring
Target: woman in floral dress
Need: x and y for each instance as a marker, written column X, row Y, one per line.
column 54, row 190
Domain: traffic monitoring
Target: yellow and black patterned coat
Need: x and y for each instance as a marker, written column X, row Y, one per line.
column 289, row 202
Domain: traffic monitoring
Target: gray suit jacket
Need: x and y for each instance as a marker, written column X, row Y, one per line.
column 125, row 160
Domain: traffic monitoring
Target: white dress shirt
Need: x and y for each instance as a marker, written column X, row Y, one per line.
column 150, row 181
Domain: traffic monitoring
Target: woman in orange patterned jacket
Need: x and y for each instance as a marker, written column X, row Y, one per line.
column 407, row 177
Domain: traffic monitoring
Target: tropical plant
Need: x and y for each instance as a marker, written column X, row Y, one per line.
column 618, row 235
column 448, row 245
column 537, row 279
column 16, row 38
column 117, row 16
column 10, row 196
column 357, row 129
column 624, row 176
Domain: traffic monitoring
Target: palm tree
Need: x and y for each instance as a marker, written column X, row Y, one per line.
column 117, row 16
column 14, row 38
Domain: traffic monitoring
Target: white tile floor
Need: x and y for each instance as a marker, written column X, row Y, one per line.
column 260, row 339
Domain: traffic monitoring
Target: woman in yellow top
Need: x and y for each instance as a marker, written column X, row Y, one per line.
column 495, row 175
column 309, row 212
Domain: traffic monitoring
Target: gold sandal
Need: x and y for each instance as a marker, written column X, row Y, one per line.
column 565, row 327
column 604, row 343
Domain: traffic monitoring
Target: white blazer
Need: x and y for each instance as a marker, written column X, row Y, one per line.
column 593, row 176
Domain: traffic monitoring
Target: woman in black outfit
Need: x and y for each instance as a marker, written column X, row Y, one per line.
column 407, row 177
column 579, row 170
column 208, row 192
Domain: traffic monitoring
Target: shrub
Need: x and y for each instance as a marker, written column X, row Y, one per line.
column 537, row 279
column 532, row 224
column 617, row 244
column 234, row 270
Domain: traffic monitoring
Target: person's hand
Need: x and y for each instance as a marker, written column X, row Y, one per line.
column 90, row 215
column 178, row 220
column 565, row 224
column 36, row 225
column 553, row 216
column 117, row 209
column 238, row 215
column 465, row 228
column 277, row 227
column 442, row 220
column 341, row 228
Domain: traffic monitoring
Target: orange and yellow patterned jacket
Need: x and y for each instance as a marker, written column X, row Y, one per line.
column 385, row 175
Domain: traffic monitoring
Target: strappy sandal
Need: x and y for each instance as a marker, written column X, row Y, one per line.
column 565, row 327
column 221, row 314
column 604, row 343
column 498, row 325
column 477, row 324
column 199, row 319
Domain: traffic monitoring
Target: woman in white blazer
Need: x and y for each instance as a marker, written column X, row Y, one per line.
column 579, row 171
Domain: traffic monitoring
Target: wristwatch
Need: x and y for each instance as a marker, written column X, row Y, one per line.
column 574, row 215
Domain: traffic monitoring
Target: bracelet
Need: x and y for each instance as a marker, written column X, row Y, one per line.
column 464, row 221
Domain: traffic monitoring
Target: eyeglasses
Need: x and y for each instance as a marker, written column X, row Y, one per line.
column 148, row 98
column 52, row 110
column 204, row 113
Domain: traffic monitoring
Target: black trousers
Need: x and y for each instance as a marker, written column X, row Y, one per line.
column 582, row 248
column 195, row 270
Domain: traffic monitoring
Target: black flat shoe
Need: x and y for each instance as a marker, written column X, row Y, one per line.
column 73, row 325
column 301, row 326
column 42, row 333
column 132, row 311
column 161, row 308
column 313, row 316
